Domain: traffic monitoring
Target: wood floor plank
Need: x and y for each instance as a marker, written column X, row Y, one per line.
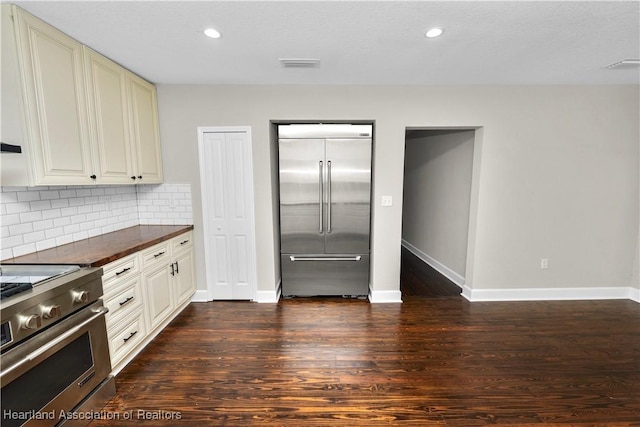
column 435, row 360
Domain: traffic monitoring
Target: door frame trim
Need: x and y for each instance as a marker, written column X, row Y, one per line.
column 209, row 271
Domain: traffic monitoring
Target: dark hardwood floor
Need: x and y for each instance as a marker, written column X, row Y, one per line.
column 418, row 279
column 436, row 359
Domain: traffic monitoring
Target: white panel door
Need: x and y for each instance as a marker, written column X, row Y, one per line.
column 227, row 199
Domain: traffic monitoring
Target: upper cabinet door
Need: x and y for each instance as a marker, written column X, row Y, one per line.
column 109, row 119
column 54, row 90
column 145, row 133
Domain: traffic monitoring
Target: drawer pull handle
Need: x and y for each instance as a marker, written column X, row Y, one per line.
column 158, row 254
column 130, row 336
column 186, row 241
column 177, row 269
column 125, row 301
column 123, row 271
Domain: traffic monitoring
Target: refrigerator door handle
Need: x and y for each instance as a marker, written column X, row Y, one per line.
column 320, row 192
column 316, row 258
column 328, row 196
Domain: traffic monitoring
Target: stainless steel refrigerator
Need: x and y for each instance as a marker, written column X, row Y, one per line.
column 325, row 209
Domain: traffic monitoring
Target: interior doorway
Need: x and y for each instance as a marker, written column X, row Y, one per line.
column 227, row 210
column 440, row 199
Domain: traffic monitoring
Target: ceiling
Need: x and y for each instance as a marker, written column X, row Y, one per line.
column 359, row 42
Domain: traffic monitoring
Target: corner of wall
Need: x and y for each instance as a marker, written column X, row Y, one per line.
column 379, row 297
column 269, row 296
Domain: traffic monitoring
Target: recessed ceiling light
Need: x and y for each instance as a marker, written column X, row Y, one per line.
column 213, row 33
column 434, row 32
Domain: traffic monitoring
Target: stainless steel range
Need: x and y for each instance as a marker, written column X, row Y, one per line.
column 54, row 359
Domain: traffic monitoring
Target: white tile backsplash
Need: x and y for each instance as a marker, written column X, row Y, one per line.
column 164, row 204
column 39, row 218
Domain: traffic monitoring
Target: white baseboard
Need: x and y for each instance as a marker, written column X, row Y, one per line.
column 525, row 294
column 201, row 296
column 271, row 296
column 261, row 296
column 438, row 266
column 550, row 294
column 376, row 297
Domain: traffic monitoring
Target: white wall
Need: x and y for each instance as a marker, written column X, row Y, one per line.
column 558, row 177
column 437, row 195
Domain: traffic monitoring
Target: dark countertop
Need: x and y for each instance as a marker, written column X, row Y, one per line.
column 100, row 250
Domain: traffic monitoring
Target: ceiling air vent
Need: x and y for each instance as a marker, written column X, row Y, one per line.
column 299, row 62
column 625, row 64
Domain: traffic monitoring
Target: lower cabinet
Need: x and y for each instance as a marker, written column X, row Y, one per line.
column 125, row 336
column 160, row 301
column 184, row 279
column 144, row 292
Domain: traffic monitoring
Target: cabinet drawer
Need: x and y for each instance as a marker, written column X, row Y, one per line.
column 116, row 272
column 124, row 339
column 123, row 300
column 155, row 254
column 182, row 242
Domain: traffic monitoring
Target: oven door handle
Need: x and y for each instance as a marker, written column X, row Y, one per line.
column 100, row 312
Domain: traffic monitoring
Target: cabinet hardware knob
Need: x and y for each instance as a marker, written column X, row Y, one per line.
column 93, row 177
column 139, row 176
column 133, row 177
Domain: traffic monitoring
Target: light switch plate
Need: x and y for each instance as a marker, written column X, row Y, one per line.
column 387, row 201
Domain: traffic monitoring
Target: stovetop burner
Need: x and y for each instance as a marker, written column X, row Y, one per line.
column 15, row 279
column 8, row 289
column 34, row 297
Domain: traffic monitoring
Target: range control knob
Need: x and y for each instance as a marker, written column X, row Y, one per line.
column 80, row 296
column 31, row 321
column 51, row 311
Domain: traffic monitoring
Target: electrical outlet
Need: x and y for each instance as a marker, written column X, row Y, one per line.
column 544, row 263
column 386, row 201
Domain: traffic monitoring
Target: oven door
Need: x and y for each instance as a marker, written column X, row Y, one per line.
column 48, row 375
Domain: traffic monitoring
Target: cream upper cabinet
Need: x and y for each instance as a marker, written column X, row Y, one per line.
column 109, row 119
column 82, row 119
column 53, row 89
column 146, row 142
